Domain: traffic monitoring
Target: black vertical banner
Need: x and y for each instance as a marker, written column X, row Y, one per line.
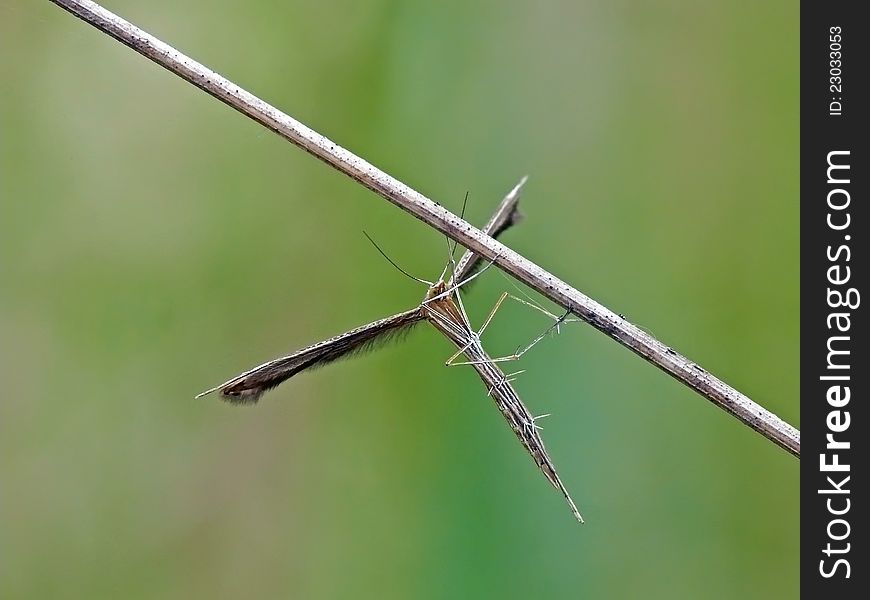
column 834, row 228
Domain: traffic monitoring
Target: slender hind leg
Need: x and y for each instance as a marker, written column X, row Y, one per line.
column 476, row 336
column 520, row 351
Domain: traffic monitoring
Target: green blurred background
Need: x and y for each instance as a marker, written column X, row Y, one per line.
column 155, row 243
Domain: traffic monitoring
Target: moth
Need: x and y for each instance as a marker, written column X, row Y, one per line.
column 441, row 307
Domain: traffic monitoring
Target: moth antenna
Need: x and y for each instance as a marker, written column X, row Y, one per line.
column 451, row 251
column 392, row 262
column 461, row 216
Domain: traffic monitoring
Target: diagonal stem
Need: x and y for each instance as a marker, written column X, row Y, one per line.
column 597, row 315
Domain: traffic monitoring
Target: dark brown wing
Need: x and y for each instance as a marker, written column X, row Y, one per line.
column 250, row 385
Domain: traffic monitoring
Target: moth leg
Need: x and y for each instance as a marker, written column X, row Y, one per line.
column 520, row 351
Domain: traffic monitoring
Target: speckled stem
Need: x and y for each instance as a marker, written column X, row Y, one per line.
column 606, row 321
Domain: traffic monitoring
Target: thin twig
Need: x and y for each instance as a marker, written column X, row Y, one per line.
column 678, row 366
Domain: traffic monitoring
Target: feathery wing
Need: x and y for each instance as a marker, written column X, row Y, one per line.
column 447, row 317
column 250, row 385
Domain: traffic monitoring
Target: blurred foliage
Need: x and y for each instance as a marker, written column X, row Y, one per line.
column 154, row 243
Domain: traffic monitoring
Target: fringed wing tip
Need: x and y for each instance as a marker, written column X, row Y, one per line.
column 234, row 396
column 242, row 396
column 206, row 393
column 553, row 478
